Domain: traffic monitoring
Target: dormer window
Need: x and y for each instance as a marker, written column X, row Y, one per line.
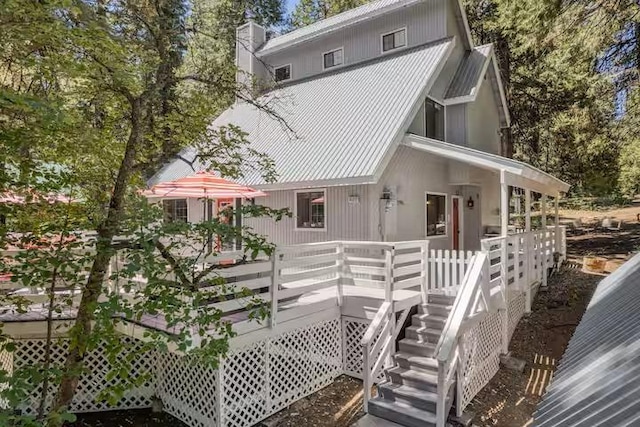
column 332, row 58
column 394, row 40
column 283, row 73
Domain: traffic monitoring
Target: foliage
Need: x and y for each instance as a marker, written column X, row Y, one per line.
column 309, row 11
column 95, row 97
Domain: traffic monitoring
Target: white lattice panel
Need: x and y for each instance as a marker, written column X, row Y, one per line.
column 30, row 354
column 6, row 366
column 353, row 330
column 516, row 310
column 188, row 390
column 245, row 386
column 480, row 355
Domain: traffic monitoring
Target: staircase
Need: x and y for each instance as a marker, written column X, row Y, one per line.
column 409, row 394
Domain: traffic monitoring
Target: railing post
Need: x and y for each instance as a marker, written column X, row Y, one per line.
column 504, row 272
column 516, row 262
column 528, row 255
column 219, row 393
column 543, row 202
column 275, row 284
column 441, row 416
column 340, row 264
column 424, row 263
column 389, row 297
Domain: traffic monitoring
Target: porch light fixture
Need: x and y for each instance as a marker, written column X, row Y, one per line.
column 470, row 203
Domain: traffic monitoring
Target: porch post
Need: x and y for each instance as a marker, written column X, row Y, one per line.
column 545, row 259
column 504, row 258
column 556, row 208
column 504, row 205
column 527, row 210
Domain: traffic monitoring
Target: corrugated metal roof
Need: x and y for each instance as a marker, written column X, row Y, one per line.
column 344, row 122
column 466, row 81
column 352, row 16
column 598, row 380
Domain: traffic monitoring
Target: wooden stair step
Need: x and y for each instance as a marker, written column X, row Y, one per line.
column 413, row 378
column 417, row 398
column 441, row 298
column 401, row 413
column 409, row 345
column 430, row 321
column 435, row 308
column 412, row 361
column 431, row 335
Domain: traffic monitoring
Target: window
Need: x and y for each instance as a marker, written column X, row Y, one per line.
column 332, row 59
column 175, row 210
column 394, row 40
column 283, row 73
column 434, row 120
column 310, row 209
column 436, row 212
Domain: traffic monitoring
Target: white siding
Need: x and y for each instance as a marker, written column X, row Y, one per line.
column 483, row 119
column 344, row 221
column 457, row 124
column 425, row 22
column 411, row 173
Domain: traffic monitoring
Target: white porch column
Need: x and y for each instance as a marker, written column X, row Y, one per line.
column 527, row 210
column 543, row 209
column 504, row 260
column 556, row 208
column 504, row 205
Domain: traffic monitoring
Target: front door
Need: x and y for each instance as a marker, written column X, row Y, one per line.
column 456, row 220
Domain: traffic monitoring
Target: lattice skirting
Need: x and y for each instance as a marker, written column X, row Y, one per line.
column 30, row 354
column 480, row 356
column 517, row 303
column 353, row 329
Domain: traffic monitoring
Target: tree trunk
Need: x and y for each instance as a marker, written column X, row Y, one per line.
column 504, row 61
column 81, row 330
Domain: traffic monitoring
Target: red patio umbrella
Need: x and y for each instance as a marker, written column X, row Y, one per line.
column 203, row 185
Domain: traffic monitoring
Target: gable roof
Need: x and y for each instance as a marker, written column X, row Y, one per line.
column 346, row 123
column 598, row 380
column 465, row 85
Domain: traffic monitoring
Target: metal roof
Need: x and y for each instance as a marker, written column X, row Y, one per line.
column 466, row 81
column 519, row 174
column 598, row 380
column 345, row 123
column 350, row 17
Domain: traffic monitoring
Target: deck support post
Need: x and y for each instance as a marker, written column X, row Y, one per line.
column 504, row 258
column 340, row 266
column 528, row 249
column 556, row 208
column 275, row 281
column 545, row 240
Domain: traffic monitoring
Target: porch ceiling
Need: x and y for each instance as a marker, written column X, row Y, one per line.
column 517, row 173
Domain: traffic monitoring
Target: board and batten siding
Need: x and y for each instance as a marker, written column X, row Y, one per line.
column 425, row 22
column 483, row 120
column 344, row 220
column 410, row 174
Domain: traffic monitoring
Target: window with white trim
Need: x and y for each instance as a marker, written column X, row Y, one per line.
column 175, row 210
column 436, row 214
column 394, row 40
column 283, row 73
column 310, row 209
column 332, row 59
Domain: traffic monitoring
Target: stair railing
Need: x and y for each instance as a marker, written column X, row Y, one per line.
column 470, row 306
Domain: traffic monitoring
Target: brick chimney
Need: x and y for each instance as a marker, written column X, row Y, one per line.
column 249, row 38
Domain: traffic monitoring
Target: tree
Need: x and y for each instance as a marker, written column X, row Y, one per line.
column 107, row 91
column 309, row 11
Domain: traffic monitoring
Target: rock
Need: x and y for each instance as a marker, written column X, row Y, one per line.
column 465, row 420
column 512, row 363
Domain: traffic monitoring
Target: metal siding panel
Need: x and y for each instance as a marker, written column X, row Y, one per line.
column 457, row 124
column 425, row 22
column 483, row 118
column 343, row 122
column 597, row 381
column 344, row 221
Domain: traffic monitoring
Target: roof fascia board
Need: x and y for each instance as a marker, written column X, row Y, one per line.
column 546, row 183
column 465, row 24
column 339, row 26
column 503, row 97
column 399, row 137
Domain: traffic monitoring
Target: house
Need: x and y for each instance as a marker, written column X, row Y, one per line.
column 393, row 128
column 597, row 379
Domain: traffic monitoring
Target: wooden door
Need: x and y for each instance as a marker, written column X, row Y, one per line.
column 455, row 219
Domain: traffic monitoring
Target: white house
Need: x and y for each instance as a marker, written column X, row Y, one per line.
column 393, row 127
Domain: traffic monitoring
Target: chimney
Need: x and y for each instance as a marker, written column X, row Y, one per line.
column 249, row 38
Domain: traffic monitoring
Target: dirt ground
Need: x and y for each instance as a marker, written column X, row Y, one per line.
column 130, row 418
column 540, row 339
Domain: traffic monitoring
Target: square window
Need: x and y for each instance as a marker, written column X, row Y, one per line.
column 283, row 73
column 333, row 58
column 175, row 210
column 310, row 210
column 394, row 40
column 436, row 214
